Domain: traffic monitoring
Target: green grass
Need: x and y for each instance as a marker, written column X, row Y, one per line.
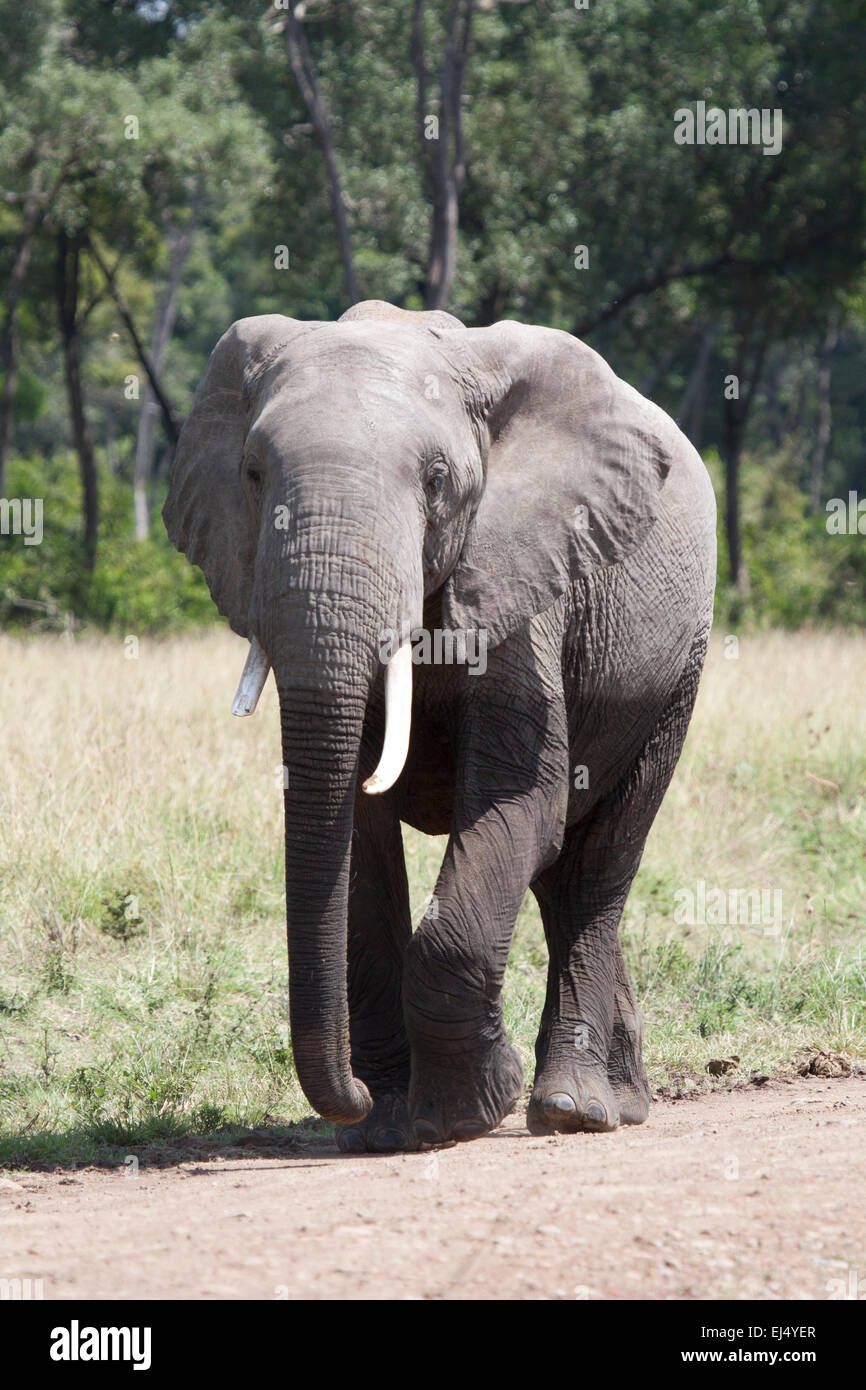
column 143, row 975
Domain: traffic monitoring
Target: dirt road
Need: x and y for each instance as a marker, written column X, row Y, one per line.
column 752, row 1193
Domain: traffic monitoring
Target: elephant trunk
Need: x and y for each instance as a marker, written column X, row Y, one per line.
column 320, row 755
column 326, row 660
column 330, row 592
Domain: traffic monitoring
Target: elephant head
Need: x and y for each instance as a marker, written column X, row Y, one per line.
column 328, row 478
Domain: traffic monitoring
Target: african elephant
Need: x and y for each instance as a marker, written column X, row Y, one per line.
column 395, row 471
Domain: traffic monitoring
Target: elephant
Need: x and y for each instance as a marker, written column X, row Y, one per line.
column 395, row 472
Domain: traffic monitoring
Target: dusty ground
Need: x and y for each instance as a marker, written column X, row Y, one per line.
column 754, row 1193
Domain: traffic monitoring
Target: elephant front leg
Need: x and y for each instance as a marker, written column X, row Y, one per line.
column 509, row 816
column 465, row 1075
column 379, row 931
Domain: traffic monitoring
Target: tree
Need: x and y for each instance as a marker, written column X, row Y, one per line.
column 825, row 412
column 308, row 85
column 551, row 190
column 116, row 163
column 178, row 244
column 442, row 143
column 70, row 318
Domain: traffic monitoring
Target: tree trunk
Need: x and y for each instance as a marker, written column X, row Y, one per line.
column 119, row 298
column 661, row 366
column 110, row 442
column 444, row 157
column 690, row 415
column 179, row 243
column 773, row 405
column 735, row 413
column 825, row 415
column 491, row 305
column 68, row 265
column 733, row 426
column 32, row 216
column 305, row 75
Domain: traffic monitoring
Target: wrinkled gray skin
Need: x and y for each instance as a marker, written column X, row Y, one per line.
column 436, row 473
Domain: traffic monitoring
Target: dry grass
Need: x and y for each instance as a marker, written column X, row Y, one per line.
column 142, row 957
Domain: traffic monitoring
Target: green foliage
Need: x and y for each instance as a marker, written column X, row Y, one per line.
column 137, row 587
column 58, row 959
column 799, row 573
column 719, row 990
column 121, row 919
column 569, row 118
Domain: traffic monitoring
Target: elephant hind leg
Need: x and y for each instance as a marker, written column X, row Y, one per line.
column 595, row 1097
column 589, row 1073
column 625, row 1069
column 573, row 1089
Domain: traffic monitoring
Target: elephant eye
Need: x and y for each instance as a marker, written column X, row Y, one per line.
column 254, row 475
column 435, row 481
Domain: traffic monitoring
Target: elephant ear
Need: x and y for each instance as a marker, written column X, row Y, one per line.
column 206, row 513
column 576, row 463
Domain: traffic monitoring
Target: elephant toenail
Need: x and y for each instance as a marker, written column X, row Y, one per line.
column 596, row 1112
column 388, row 1140
column 351, row 1141
column 468, row 1129
column 559, row 1106
column 425, row 1132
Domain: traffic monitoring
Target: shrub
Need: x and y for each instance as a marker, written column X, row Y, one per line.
column 136, row 586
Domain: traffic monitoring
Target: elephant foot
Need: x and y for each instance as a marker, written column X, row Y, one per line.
column 633, row 1100
column 625, row 1067
column 384, row 1130
column 458, row 1098
column 580, row 1100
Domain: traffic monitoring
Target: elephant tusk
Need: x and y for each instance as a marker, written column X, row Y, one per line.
column 398, row 721
column 252, row 681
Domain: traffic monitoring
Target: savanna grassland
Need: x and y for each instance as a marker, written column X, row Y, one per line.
column 143, row 974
